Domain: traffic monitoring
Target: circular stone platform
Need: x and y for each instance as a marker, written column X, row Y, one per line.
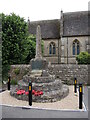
column 53, row 89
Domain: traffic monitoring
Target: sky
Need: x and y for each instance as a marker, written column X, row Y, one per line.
column 41, row 9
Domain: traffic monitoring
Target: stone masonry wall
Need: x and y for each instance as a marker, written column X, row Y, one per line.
column 18, row 71
column 66, row 72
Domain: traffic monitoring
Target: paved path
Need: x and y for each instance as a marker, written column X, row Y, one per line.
column 86, row 96
column 12, row 112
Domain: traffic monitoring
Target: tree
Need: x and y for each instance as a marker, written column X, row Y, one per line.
column 31, row 48
column 14, row 41
column 18, row 47
column 83, row 58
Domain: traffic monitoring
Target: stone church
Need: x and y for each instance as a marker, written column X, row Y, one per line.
column 63, row 38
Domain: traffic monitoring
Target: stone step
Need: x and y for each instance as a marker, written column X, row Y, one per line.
column 38, row 79
column 36, row 71
column 51, row 96
column 55, row 85
column 35, row 75
column 44, row 79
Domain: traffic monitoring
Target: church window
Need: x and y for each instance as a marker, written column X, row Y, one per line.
column 78, row 51
column 52, row 48
column 73, row 48
column 76, row 47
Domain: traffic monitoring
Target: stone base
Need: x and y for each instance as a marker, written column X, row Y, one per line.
column 38, row 64
column 53, row 89
column 51, row 96
column 36, row 73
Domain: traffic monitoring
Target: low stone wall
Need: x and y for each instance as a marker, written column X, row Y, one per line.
column 66, row 72
column 18, row 71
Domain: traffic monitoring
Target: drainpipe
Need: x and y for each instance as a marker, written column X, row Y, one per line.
column 58, row 52
column 67, row 50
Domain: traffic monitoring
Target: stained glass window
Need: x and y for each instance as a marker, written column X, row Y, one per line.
column 76, row 47
column 78, row 51
column 52, row 48
column 73, row 48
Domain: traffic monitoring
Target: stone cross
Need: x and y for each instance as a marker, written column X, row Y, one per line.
column 38, row 43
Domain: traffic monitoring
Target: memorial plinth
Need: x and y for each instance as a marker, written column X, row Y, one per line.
column 38, row 64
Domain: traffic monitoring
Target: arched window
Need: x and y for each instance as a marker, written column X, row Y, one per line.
column 76, row 47
column 52, row 48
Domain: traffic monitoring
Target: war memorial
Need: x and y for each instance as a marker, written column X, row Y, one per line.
column 52, row 89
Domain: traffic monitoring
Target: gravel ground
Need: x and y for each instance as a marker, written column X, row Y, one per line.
column 69, row 102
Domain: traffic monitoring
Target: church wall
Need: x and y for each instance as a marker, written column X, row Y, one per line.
column 50, row 58
column 67, row 49
column 63, row 50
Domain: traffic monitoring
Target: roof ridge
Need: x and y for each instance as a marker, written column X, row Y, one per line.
column 45, row 20
column 76, row 12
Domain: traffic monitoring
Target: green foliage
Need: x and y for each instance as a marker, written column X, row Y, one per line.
column 14, row 82
column 17, row 71
column 25, row 72
column 5, row 69
column 31, row 48
column 31, row 45
column 18, row 47
column 42, row 47
column 83, row 58
column 14, row 41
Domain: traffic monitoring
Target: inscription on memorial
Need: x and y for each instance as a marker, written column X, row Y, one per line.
column 37, row 65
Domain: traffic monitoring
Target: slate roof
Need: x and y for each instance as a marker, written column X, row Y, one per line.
column 75, row 23
column 49, row 28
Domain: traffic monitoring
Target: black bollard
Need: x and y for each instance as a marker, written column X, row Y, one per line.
column 75, row 85
column 30, row 93
column 9, row 78
column 80, row 96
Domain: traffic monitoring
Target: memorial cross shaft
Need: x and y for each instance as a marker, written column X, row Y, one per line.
column 38, row 43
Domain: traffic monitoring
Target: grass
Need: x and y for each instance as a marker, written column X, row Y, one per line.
column 14, row 82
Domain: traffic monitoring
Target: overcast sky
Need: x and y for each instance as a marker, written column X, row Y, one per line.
column 42, row 9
